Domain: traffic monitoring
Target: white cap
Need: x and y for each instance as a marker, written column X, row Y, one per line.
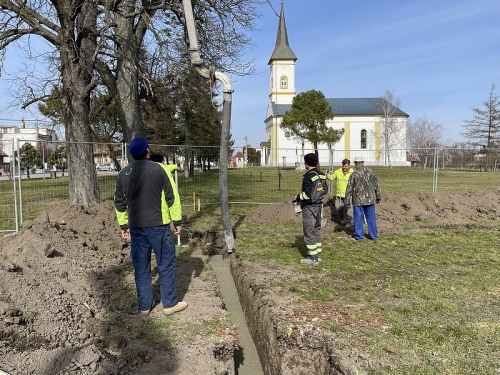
column 358, row 159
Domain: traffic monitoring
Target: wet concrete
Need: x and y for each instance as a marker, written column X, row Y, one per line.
column 246, row 358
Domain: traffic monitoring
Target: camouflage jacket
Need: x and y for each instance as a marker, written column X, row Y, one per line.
column 363, row 188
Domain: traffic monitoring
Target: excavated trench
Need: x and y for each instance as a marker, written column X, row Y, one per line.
column 264, row 350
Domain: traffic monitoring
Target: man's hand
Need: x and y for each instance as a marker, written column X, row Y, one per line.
column 377, row 200
column 178, row 230
column 126, row 234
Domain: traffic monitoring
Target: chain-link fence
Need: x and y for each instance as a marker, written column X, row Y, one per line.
column 34, row 173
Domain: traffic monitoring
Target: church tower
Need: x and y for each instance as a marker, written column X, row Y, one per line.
column 282, row 67
column 281, row 93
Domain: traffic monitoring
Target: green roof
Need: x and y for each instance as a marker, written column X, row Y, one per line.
column 347, row 107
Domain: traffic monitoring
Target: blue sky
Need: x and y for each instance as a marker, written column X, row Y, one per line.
column 439, row 58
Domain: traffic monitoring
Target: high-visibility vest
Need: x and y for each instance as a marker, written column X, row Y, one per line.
column 342, row 180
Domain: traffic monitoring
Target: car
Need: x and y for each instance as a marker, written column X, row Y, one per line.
column 106, row 167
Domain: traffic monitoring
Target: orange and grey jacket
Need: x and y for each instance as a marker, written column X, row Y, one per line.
column 314, row 188
column 146, row 196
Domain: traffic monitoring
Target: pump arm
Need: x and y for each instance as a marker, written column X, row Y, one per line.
column 197, row 62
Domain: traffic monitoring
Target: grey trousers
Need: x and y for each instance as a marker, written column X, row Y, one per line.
column 311, row 224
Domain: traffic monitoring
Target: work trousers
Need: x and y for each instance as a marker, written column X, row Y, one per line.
column 342, row 210
column 161, row 241
column 359, row 230
column 311, row 225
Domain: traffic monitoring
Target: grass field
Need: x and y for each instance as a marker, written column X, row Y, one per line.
column 413, row 304
column 253, row 185
column 424, row 301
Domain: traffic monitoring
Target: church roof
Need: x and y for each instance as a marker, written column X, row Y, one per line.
column 346, row 107
column 282, row 50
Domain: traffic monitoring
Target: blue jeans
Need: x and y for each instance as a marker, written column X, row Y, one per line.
column 359, row 228
column 160, row 239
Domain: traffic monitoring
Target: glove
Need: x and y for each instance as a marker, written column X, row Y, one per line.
column 378, row 201
column 347, row 205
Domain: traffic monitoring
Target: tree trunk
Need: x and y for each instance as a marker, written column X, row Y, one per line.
column 76, row 48
column 129, row 37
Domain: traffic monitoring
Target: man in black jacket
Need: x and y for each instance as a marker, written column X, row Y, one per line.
column 146, row 202
column 314, row 188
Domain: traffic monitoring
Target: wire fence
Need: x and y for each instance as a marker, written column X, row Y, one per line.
column 31, row 177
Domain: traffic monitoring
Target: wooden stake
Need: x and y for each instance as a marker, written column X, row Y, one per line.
column 194, row 201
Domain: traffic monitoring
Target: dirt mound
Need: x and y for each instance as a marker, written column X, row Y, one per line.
column 456, row 209
column 65, row 277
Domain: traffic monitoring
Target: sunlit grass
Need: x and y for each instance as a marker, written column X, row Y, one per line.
column 414, row 304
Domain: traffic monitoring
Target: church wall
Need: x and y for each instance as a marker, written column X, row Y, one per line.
column 289, row 151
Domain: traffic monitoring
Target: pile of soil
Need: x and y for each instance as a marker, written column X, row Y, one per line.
column 64, row 276
column 448, row 209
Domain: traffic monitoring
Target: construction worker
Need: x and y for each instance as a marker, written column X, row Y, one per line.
column 341, row 176
column 314, row 188
column 363, row 192
column 146, row 203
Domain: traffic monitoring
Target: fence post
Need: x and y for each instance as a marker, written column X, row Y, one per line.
column 435, row 171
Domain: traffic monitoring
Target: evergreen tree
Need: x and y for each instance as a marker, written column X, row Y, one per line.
column 307, row 120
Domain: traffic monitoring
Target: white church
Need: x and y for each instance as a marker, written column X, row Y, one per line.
column 361, row 119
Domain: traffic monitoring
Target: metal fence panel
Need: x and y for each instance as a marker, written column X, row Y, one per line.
column 44, row 179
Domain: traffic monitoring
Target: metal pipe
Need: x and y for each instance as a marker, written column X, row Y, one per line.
column 197, row 62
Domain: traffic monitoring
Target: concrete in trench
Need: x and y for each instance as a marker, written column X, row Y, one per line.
column 246, row 358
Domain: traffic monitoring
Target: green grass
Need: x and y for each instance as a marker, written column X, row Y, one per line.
column 252, row 185
column 413, row 304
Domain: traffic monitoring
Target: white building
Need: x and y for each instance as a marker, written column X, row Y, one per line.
column 361, row 119
column 34, row 136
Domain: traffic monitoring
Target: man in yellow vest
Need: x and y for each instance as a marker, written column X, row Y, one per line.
column 341, row 176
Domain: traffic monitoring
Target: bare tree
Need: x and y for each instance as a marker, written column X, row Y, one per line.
column 423, row 136
column 68, row 28
column 89, row 45
column 484, row 128
column 147, row 40
column 392, row 125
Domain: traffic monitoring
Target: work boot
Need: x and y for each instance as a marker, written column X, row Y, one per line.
column 310, row 260
column 172, row 310
column 146, row 312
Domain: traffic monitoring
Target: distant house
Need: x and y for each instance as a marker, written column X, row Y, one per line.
column 412, row 159
column 239, row 160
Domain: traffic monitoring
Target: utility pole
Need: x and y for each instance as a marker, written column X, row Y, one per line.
column 245, row 154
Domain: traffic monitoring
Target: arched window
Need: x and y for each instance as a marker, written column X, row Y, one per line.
column 284, row 82
column 363, row 138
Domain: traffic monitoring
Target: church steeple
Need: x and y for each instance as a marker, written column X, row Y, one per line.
column 282, row 67
column 282, row 50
